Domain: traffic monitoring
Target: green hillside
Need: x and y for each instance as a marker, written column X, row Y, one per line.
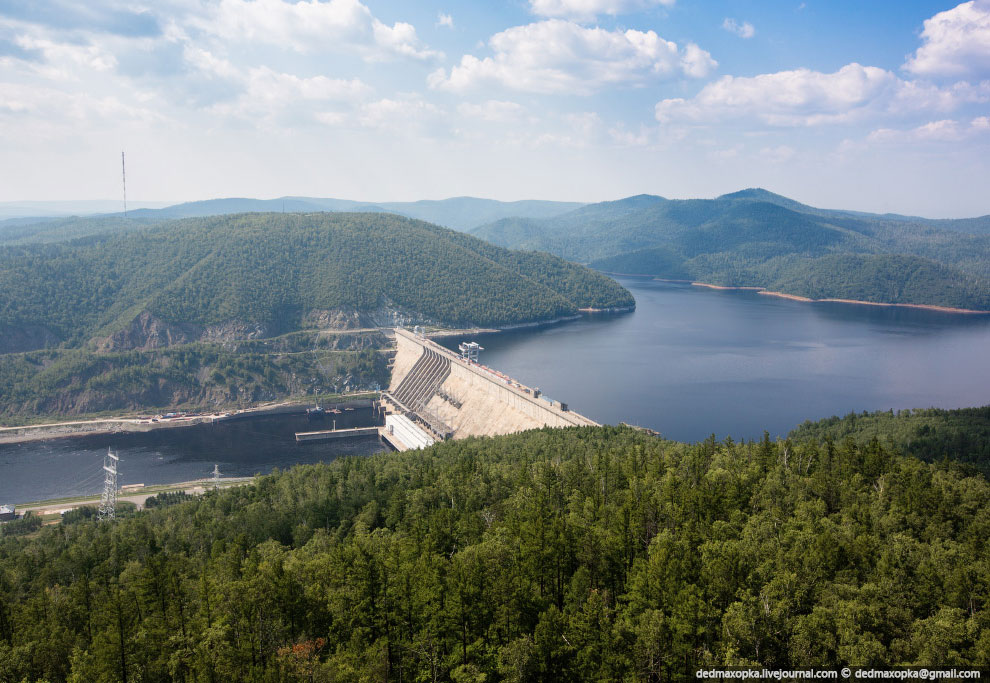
column 757, row 238
column 961, row 435
column 585, row 554
column 265, row 274
column 43, row 386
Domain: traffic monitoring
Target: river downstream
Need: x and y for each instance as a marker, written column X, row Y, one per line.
column 72, row 466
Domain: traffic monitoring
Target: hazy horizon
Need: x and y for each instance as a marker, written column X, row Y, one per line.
column 869, row 108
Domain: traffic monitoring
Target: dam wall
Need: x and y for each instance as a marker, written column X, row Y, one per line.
column 464, row 399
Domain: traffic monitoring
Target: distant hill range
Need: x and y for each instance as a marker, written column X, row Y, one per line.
column 756, row 238
column 53, row 221
column 257, row 275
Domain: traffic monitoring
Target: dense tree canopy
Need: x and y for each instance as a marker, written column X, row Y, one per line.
column 578, row 554
column 272, row 269
column 932, row 435
column 43, row 385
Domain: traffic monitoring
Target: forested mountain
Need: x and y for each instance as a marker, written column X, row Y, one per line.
column 459, row 213
column 256, row 275
column 585, row 554
column 932, row 434
column 757, row 238
column 43, row 386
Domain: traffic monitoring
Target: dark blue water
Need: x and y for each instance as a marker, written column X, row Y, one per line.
column 72, row 466
column 690, row 362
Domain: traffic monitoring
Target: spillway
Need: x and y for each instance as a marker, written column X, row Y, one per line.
column 451, row 397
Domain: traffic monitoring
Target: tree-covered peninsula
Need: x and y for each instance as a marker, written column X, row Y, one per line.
column 581, row 554
column 259, row 275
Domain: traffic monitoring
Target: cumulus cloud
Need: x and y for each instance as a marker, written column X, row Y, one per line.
column 313, row 26
column 57, row 106
column 778, row 154
column 445, row 20
column 408, row 112
column 955, row 43
column 803, row 97
column 743, row 30
column 589, row 9
column 498, row 111
column 264, row 93
column 557, row 56
column 944, row 130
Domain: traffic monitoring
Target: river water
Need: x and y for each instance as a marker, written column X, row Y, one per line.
column 691, row 361
column 688, row 362
column 72, row 466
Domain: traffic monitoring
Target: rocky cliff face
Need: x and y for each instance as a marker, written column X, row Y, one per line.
column 148, row 332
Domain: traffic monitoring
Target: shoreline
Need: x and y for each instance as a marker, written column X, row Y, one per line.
column 795, row 297
column 763, row 291
column 613, row 309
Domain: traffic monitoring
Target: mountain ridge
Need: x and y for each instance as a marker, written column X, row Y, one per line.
column 756, row 238
column 256, row 275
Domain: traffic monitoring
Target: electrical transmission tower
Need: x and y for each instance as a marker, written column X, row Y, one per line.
column 216, row 476
column 108, row 501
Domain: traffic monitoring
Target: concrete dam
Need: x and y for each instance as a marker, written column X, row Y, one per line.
column 436, row 394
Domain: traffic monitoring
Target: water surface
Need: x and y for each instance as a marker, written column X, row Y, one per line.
column 690, row 361
column 73, row 466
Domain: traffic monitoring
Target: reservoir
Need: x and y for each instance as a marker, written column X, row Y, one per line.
column 692, row 361
column 688, row 362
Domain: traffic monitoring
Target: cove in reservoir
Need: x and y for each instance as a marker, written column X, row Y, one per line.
column 691, row 361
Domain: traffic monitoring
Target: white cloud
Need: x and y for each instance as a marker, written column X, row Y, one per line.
column 271, row 86
column 445, row 20
column 809, row 98
column 778, row 154
column 56, row 106
column 944, row 130
column 586, row 10
column 556, row 56
column 956, row 43
column 69, row 55
column 406, row 112
column 263, row 93
column 496, row 111
column 313, row 26
column 576, row 131
column 743, row 30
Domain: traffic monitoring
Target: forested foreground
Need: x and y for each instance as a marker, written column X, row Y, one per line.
column 580, row 554
column 931, row 434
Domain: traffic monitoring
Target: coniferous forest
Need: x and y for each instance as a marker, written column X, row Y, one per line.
column 578, row 554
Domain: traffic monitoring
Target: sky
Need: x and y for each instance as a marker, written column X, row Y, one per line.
column 877, row 106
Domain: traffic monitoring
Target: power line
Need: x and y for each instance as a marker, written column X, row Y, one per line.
column 108, row 501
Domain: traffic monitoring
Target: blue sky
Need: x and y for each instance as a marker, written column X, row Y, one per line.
column 881, row 106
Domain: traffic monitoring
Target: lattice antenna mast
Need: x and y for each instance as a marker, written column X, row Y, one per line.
column 216, row 476
column 123, row 175
column 108, row 501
